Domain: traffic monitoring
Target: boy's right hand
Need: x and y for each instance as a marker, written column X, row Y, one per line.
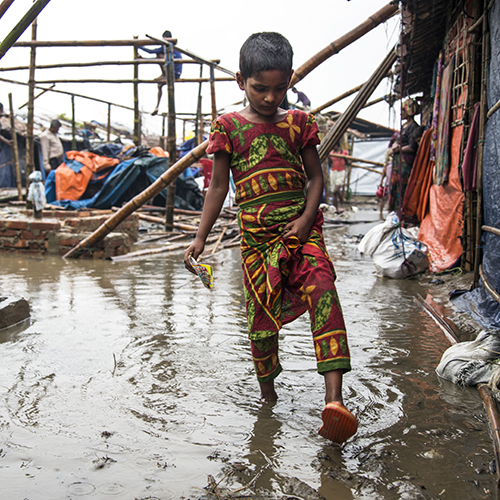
column 194, row 250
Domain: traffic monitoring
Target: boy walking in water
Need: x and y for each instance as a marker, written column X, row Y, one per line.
column 272, row 155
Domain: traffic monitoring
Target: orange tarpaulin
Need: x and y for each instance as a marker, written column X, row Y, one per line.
column 417, row 192
column 441, row 228
column 70, row 185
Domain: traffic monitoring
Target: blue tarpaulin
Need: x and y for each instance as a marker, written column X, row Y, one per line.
column 479, row 303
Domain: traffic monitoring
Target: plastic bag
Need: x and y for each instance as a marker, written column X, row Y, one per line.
column 471, row 363
column 396, row 253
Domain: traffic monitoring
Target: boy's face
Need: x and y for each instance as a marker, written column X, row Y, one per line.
column 265, row 91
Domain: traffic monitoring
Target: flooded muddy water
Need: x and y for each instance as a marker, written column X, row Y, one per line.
column 133, row 381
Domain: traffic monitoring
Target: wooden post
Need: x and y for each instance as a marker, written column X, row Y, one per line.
column 108, row 135
column 137, row 118
column 163, row 140
column 30, row 144
column 172, row 149
column 198, row 112
column 73, row 124
column 212, row 91
column 15, row 150
column 480, row 153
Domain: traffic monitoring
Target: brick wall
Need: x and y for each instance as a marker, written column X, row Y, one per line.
column 59, row 231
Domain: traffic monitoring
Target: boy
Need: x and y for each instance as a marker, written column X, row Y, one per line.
column 272, row 155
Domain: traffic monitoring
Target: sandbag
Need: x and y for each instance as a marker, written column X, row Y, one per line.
column 396, row 253
column 470, row 363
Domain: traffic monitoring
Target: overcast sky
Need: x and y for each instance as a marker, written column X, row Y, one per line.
column 212, row 30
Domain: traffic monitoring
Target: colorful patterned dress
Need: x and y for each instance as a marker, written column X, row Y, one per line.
column 283, row 278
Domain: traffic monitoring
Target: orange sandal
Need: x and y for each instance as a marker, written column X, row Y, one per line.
column 339, row 424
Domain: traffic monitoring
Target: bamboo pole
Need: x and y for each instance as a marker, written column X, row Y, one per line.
column 362, row 167
column 353, row 158
column 38, row 95
column 137, row 119
column 172, row 149
column 336, row 46
column 4, row 6
column 212, row 92
column 30, row 139
column 133, row 80
column 135, row 42
column 198, row 112
column 20, row 28
column 488, row 285
column 336, row 99
column 140, row 60
column 57, row 91
column 108, row 128
column 490, row 229
column 15, row 150
column 494, row 420
column 150, row 192
column 480, row 152
column 339, row 128
column 73, row 124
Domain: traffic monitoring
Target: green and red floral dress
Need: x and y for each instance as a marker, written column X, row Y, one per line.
column 283, row 278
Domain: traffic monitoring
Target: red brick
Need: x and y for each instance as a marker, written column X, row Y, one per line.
column 68, row 242
column 16, row 224
column 45, row 226
column 28, row 235
column 21, row 244
column 8, row 233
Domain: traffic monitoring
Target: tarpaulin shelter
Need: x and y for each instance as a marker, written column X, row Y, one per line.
column 483, row 302
column 88, row 180
column 447, row 47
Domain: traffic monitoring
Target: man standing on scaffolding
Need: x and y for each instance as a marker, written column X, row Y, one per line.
column 160, row 53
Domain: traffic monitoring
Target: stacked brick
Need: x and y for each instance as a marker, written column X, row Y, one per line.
column 59, row 231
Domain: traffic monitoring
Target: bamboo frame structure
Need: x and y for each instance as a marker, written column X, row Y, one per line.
column 336, row 46
column 164, row 180
column 343, row 122
column 30, row 137
column 171, row 146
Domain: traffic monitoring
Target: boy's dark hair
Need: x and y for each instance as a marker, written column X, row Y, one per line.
column 263, row 52
column 167, row 34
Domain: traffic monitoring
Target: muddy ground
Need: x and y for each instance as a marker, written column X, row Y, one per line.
column 133, row 381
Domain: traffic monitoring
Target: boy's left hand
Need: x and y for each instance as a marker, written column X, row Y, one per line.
column 300, row 228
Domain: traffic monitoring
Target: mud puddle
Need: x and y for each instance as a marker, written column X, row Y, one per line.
column 133, row 381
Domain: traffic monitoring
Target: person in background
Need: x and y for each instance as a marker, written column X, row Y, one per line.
column 52, row 148
column 160, row 53
column 301, row 97
column 286, row 267
column 383, row 187
column 403, row 155
column 337, row 176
